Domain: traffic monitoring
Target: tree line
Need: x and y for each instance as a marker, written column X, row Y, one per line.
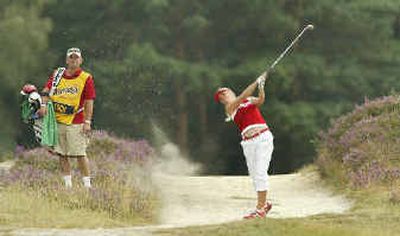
column 158, row 62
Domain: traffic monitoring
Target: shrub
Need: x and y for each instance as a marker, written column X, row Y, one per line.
column 121, row 185
column 362, row 147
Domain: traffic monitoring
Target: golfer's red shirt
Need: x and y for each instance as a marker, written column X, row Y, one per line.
column 247, row 115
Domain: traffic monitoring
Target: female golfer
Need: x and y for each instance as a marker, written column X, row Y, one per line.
column 257, row 140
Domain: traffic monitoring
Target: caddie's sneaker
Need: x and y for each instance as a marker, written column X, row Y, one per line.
column 267, row 207
column 255, row 214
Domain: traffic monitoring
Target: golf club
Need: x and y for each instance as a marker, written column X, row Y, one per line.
column 308, row 27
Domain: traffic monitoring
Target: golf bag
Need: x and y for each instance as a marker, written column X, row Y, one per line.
column 30, row 104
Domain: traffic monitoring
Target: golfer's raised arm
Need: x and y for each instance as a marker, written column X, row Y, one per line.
column 245, row 94
column 258, row 101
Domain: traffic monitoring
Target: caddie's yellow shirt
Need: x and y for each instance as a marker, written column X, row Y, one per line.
column 67, row 97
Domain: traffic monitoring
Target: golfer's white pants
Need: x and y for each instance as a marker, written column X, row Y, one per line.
column 258, row 153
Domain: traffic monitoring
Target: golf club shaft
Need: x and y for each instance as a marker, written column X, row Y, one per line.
column 289, row 47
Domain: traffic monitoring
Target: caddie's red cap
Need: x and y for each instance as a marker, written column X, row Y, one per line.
column 216, row 94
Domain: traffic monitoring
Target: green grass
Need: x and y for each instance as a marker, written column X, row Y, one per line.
column 20, row 209
column 122, row 194
column 272, row 227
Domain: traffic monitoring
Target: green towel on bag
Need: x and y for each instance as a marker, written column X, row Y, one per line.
column 49, row 127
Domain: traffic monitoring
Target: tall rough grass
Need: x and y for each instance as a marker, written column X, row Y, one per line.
column 122, row 185
column 362, row 148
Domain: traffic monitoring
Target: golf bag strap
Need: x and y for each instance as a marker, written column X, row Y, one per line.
column 56, row 79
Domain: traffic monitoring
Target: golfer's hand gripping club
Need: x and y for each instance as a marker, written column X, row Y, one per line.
column 261, row 80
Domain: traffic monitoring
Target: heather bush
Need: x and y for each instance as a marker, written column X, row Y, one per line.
column 362, row 148
column 122, row 186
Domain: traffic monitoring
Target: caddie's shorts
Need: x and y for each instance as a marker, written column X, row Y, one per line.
column 258, row 154
column 71, row 140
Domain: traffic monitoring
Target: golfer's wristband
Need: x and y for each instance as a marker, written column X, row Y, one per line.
column 43, row 104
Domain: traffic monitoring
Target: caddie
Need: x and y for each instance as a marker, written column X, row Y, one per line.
column 72, row 93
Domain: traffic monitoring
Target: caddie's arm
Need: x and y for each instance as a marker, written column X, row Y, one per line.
column 88, row 113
